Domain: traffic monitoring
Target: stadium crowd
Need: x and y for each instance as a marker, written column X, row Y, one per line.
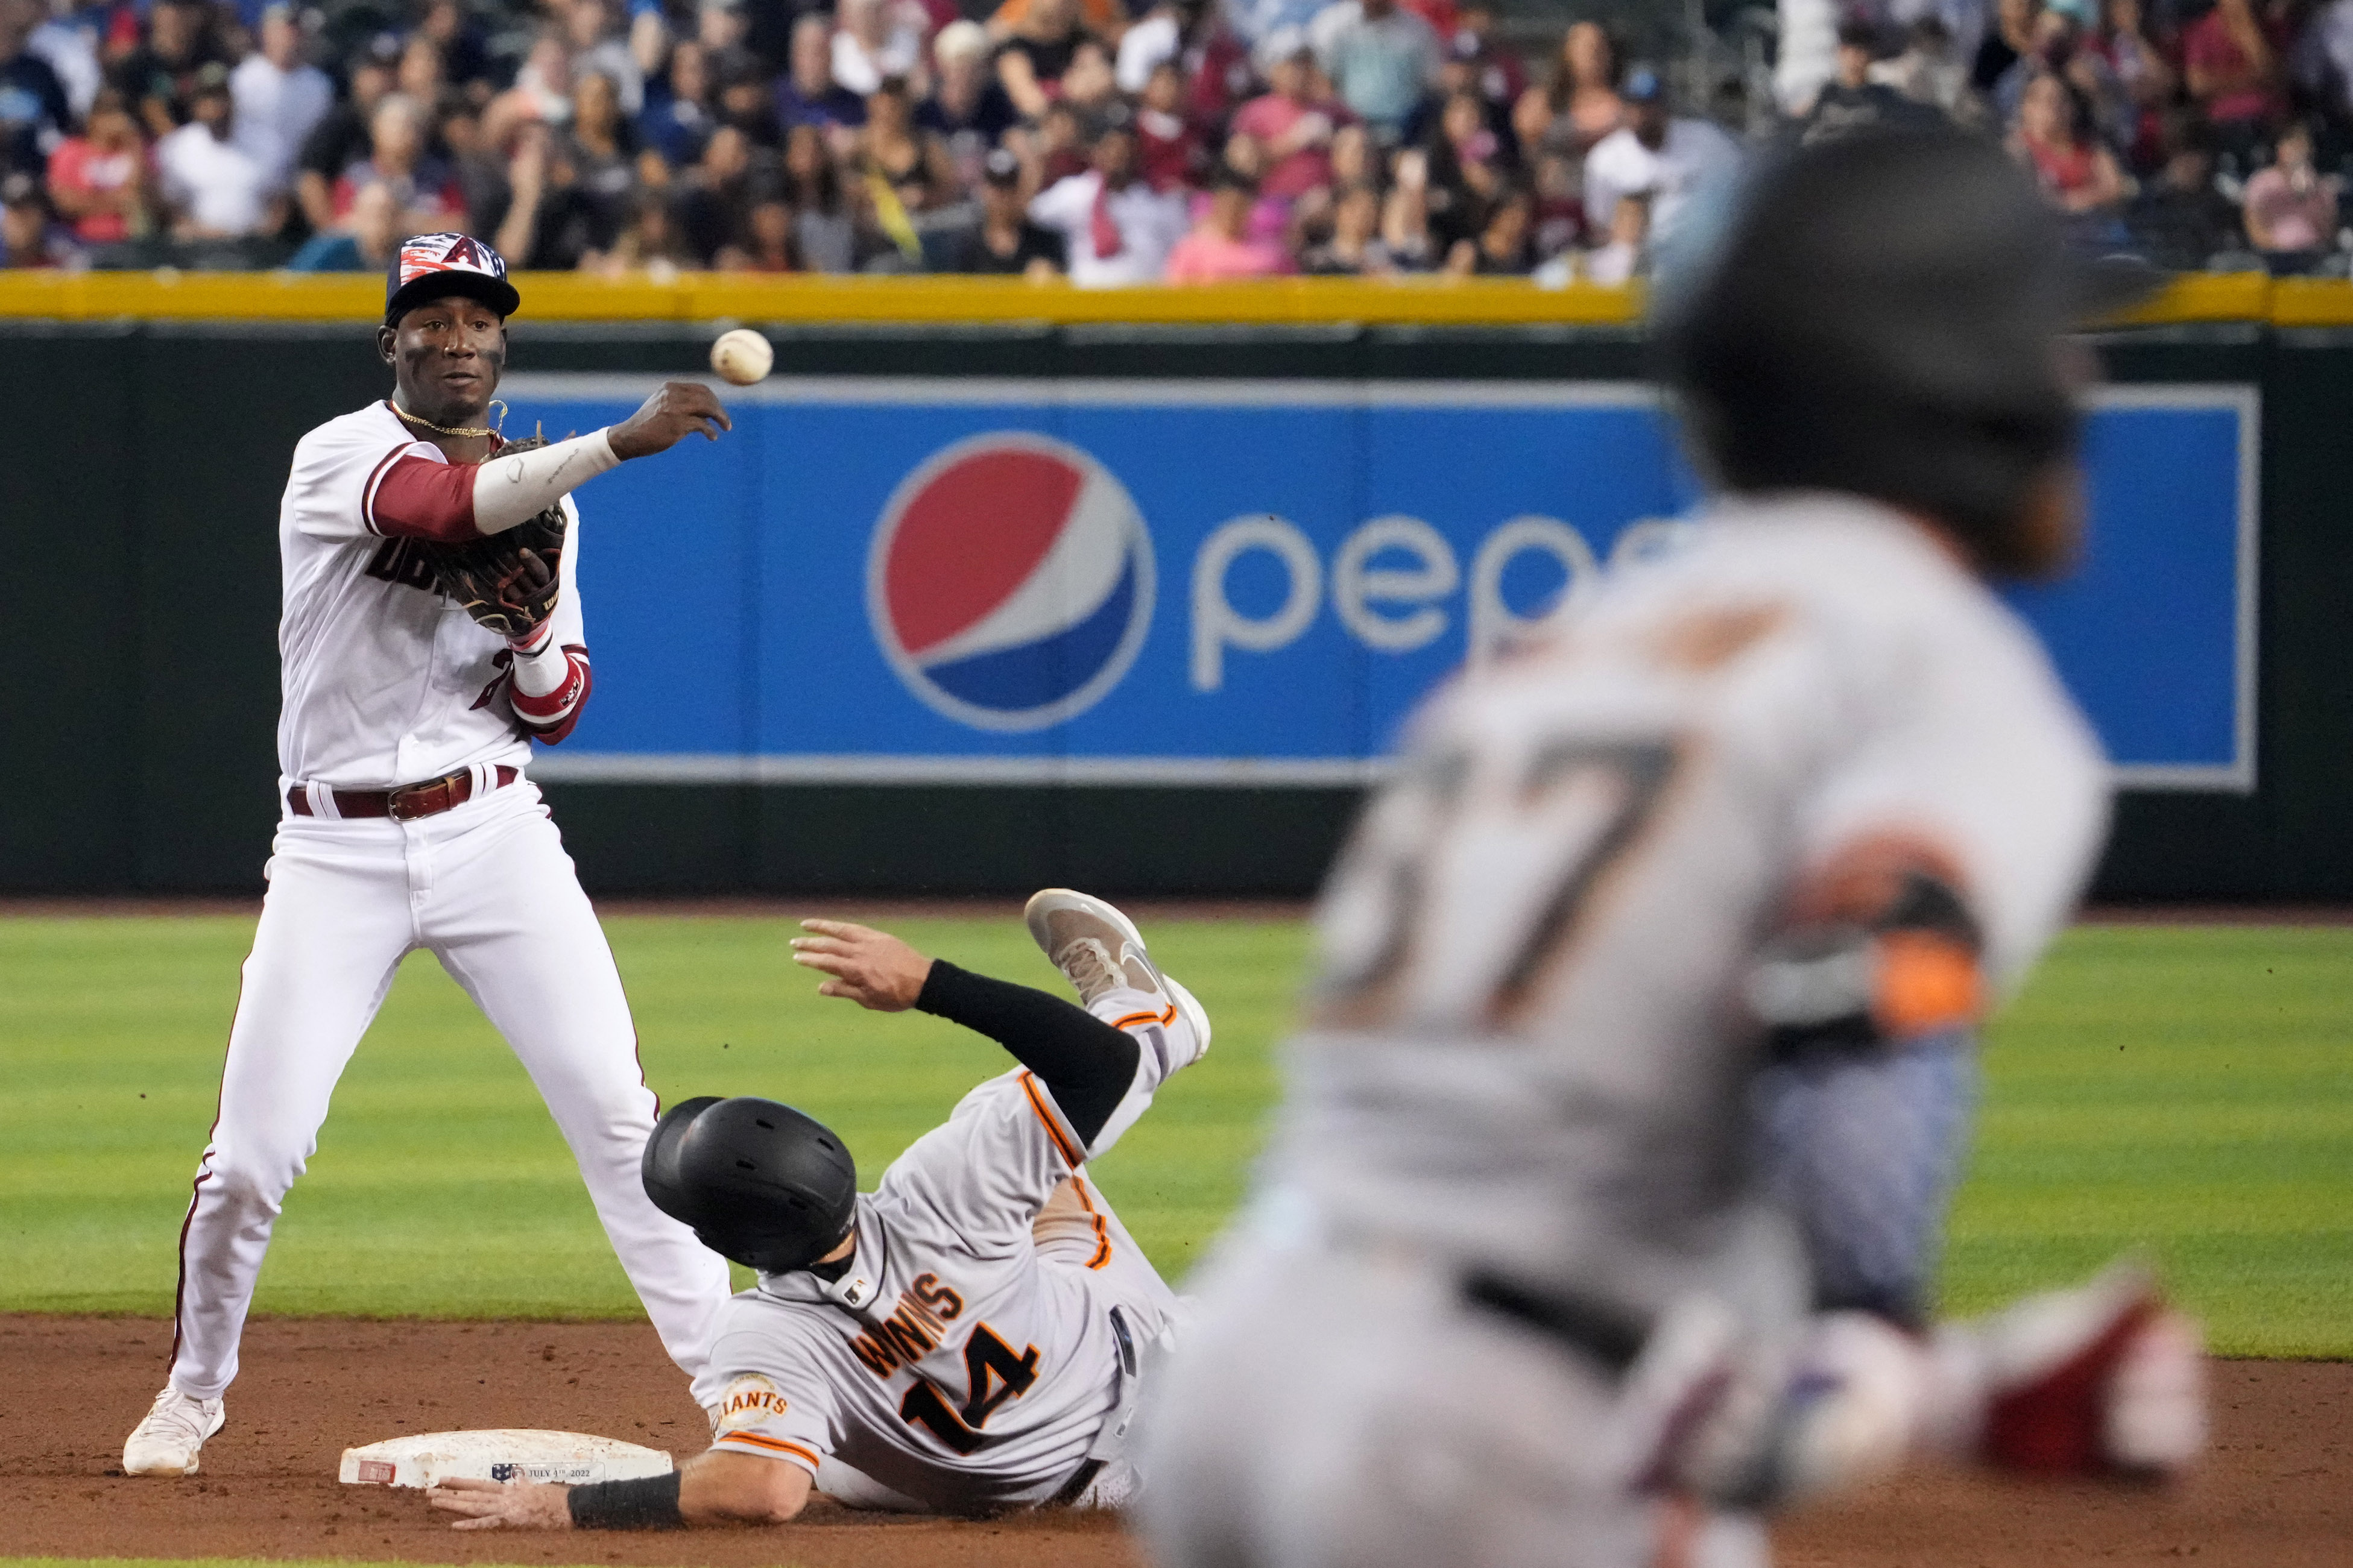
column 1189, row 140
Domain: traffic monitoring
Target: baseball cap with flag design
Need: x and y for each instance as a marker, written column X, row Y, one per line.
column 432, row 265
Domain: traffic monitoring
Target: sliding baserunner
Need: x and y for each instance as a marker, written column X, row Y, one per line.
column 968, row 1337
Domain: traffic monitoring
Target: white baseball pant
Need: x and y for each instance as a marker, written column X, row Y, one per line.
column 489, row 891
column 1328, row 1408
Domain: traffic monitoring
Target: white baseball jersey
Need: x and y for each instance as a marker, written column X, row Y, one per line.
column 1531, row 1051
column 968, row 1361
column 387, row 682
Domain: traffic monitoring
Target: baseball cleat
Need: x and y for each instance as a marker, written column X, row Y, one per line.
column 2101, row 1380
column 1097, row 947
column 1098, row 950
column 168, row 1440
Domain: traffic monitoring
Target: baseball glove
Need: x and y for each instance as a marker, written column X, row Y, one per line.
column 507, row 581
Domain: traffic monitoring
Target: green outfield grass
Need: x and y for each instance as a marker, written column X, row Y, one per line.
column 2186, row 1090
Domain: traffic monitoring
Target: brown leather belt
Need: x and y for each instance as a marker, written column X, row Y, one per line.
column 405, row 803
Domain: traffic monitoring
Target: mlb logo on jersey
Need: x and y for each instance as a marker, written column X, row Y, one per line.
column 1010, row 582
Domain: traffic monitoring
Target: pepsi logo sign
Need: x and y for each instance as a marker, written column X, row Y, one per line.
column 1010, row 580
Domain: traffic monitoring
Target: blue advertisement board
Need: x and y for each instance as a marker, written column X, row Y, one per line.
column 1248, row 581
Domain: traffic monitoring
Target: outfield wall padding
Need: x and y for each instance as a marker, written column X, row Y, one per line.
column 139, row 512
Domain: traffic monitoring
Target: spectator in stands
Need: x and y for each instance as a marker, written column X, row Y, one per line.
column 2178, row 221
column 594, row 42
column 159, row 76
column 1469, row 169
column 1653, row 166
column 1031, row 63
column 30, row 234
column 214, row 188
column 2322, row 63
column 2054, row 139
column 677, row 116
column 1503, row 248
column 341, row 138
column 1381, row 58
column 606, row 165
column 2231, row 64
column 97, row 180
column 68, row 40
column 1502, row 77
column 808, row 94
column 767, row 242
column 968, row 105
column 1090, row 83
column 910, row 161
column 1558, row 225
column 425, row 187
column 825, row 234
column 1169, row 148
column 1059, row 145
column 1116, row 228
column 1159, row 36
column 543, row 84
column 2291, row 206
column 748, row 100
column 711, row 192
column 35, row 113
column 1005, row 241
column 1257, row 21
column 279, row 99
column 651, row 244
column 1221, row 247
column 1931, row 71
column 1103, row 18
column 1579, row 105
column 1852, row 101
column 375, row 232
column 1405, row 218
column 2009, row 40
column 1292, row 120
column 877, row 39
column 420, row 76
column 465, row 51
column 2143, row 78
column 1355, row 249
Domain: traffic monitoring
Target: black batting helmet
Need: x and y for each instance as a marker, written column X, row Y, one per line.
column 758, row 1182
column 1881, row 314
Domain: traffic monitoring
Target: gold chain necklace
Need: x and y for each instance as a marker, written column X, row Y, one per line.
column 457, row 429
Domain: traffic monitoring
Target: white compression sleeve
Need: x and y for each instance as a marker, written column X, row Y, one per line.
column 510, row 489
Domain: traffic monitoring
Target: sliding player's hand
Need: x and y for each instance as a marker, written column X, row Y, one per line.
column 515, row 1505
column 871, row 968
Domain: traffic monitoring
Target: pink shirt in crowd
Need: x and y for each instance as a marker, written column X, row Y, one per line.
column 1205, row 256
column 1268, row 120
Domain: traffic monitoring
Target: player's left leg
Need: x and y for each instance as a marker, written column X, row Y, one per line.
column 508, row 922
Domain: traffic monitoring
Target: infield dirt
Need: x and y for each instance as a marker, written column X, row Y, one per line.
column 2276, row 1493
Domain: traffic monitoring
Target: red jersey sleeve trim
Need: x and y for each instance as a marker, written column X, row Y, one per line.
column 417, row 498
column 552, row 733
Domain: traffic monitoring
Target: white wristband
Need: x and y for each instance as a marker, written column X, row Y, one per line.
column 508, row 489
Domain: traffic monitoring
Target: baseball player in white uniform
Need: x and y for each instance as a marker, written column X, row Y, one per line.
column 409, row 822
column 971, row 1336
column 1601, row 1214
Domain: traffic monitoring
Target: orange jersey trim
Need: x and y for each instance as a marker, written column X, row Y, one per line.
column 1045, row 1116
column 1165, row 1016
column 1102, row 1232
column 776, row 1445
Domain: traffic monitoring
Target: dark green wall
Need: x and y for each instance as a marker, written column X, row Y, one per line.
column 137, row 637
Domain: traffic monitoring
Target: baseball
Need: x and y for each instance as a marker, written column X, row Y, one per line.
column 743, row 356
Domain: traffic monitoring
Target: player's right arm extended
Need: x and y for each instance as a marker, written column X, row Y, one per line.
column 420, row 497
column 1085, row 1064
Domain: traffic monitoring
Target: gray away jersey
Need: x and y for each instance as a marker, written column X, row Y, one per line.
column 967, row 1360
column 1530, row 1052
